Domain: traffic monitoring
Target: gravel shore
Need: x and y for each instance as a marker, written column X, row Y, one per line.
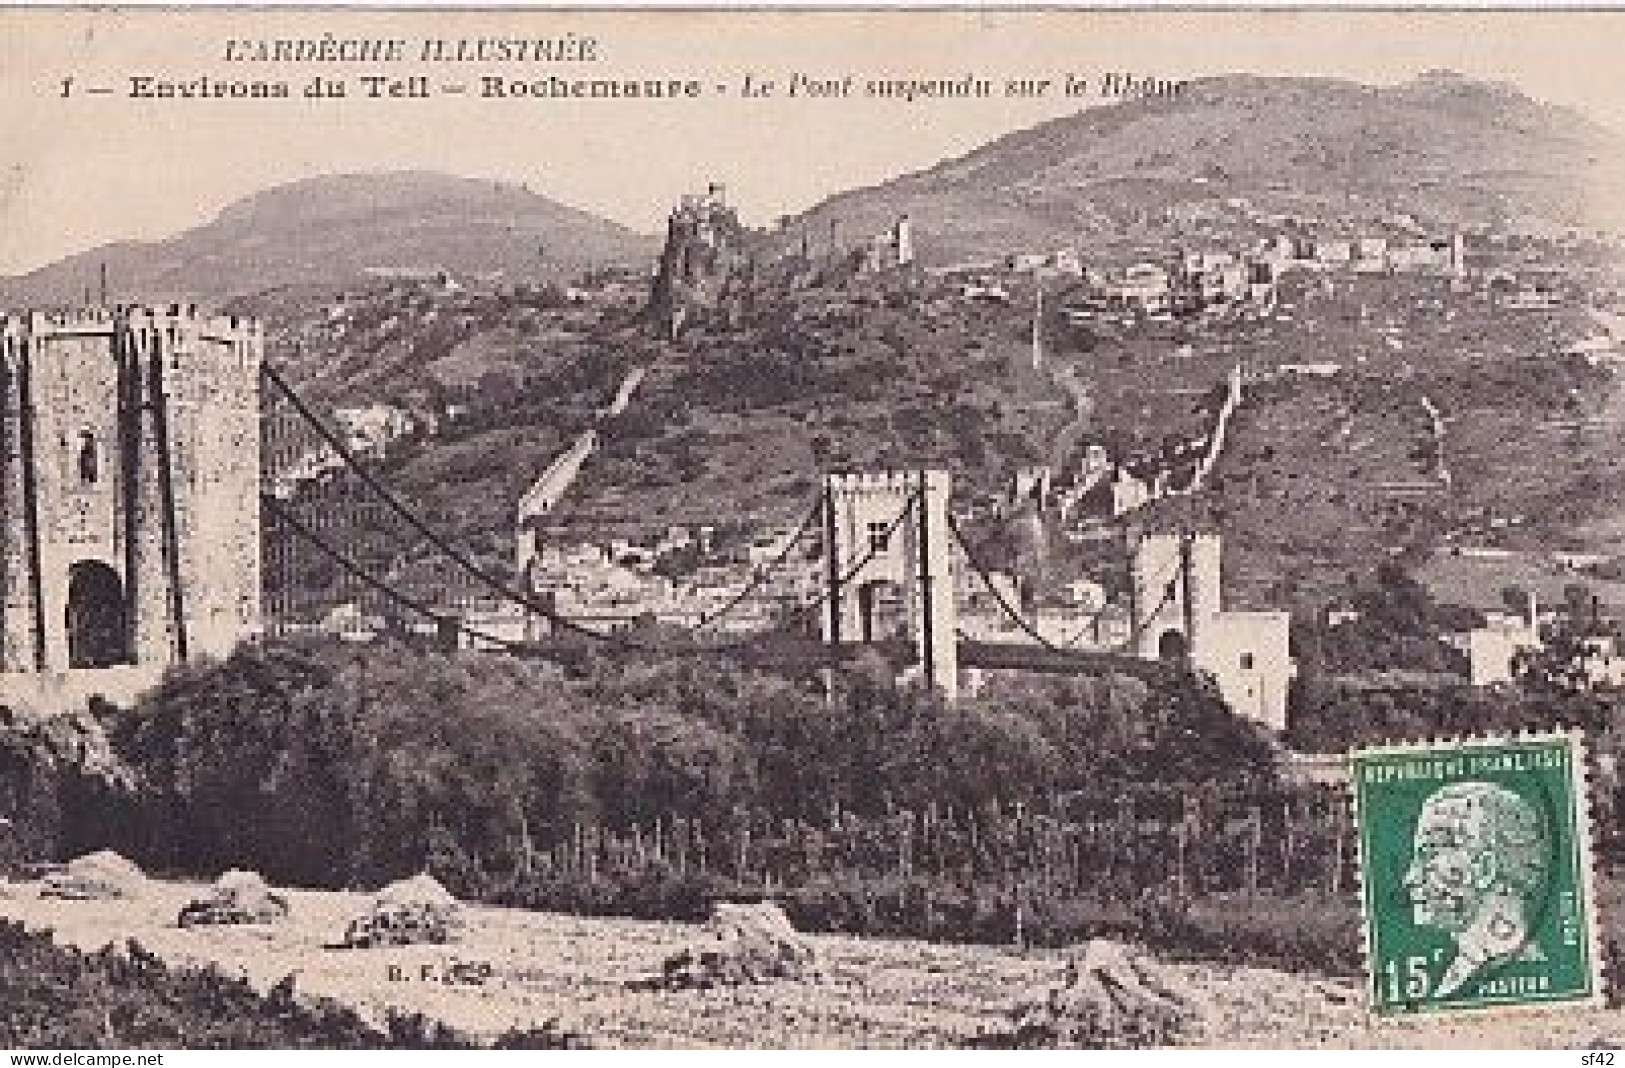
column 515, row 968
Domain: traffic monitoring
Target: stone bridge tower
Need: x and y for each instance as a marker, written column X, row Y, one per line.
column 1180, row 617
column 905, row 588
column 1176, row 592
column 129, row 498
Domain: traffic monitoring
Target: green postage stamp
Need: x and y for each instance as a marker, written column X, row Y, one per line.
column 1475, row 869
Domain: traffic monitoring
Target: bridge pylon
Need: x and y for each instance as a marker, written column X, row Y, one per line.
column 129, row 498
column 889, row 567
column 1176, row 593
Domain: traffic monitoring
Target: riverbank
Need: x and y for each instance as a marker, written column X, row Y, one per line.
column 521, row 969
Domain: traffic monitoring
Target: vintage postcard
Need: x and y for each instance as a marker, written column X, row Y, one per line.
column 811, row 528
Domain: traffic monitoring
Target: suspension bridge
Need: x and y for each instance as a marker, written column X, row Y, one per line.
column 132, row 541
column 878, row 560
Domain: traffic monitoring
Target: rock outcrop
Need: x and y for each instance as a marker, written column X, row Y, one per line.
column 237, row 897
column 410, row 912
column 95, row 876
column 740, row 944
column 705, row 266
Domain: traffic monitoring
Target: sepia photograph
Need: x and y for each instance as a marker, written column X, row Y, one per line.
column 811, row 529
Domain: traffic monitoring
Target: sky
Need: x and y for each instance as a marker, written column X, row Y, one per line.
column 83, row 170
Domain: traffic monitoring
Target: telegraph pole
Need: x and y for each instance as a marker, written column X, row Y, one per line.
column 1187, row 598
column 927, row 621
column 832, row 565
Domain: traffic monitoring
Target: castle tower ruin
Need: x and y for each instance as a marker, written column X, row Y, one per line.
column 903, row 241
column 704, row 266
column 129, row 498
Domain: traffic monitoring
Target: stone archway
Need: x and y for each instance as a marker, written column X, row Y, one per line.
column 97, row 617
column 882, row 610
column 1172, row 647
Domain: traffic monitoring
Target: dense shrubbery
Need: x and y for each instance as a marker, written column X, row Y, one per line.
column 1304, row 932
column 587, row 791
column 655, row 789
column 58, row 998
column 317, row 765
column 1332, row 718
column 1300, row 932
column 1195, row 870
column 1398, row 625
column 1341, row 700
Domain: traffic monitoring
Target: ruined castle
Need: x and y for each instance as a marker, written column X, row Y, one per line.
column 129, row 498
column 705, row 266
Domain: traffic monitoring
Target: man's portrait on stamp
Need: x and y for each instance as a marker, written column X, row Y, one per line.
column 1476, row 869
column 1481, row 858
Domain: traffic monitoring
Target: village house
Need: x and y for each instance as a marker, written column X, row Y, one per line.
column 1143, row 288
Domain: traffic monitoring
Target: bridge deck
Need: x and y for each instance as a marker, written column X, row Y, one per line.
column 794, row 652
column 995, row 656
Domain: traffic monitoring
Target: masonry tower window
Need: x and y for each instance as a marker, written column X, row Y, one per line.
column 89, row 458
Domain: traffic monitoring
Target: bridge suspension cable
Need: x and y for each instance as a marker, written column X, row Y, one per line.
column 852, row 571
column 1122, row 648
column 451, row 552
column 760, row 575
column 282, row 514
column 1140, row 626
column 503, row 590
column 998, row 594
column 876, row 547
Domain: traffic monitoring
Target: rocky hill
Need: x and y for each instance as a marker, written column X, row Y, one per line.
column 1235, row 154
column 335, row 229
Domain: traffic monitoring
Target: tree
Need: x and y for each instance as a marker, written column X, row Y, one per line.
column 1398, row 626
column 1560, row 666
column 1580, row 606
column 323, row 764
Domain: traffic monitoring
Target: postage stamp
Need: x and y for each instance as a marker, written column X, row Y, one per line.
column 1476, row 874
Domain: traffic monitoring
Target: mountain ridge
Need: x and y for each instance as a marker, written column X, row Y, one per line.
column 1227, row 157
column 338, row 228
column 1448, row 150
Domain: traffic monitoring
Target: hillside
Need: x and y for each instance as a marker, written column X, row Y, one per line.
column 1230, row 153
column 335, row 229
column 823, row 366
column 735, row 426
